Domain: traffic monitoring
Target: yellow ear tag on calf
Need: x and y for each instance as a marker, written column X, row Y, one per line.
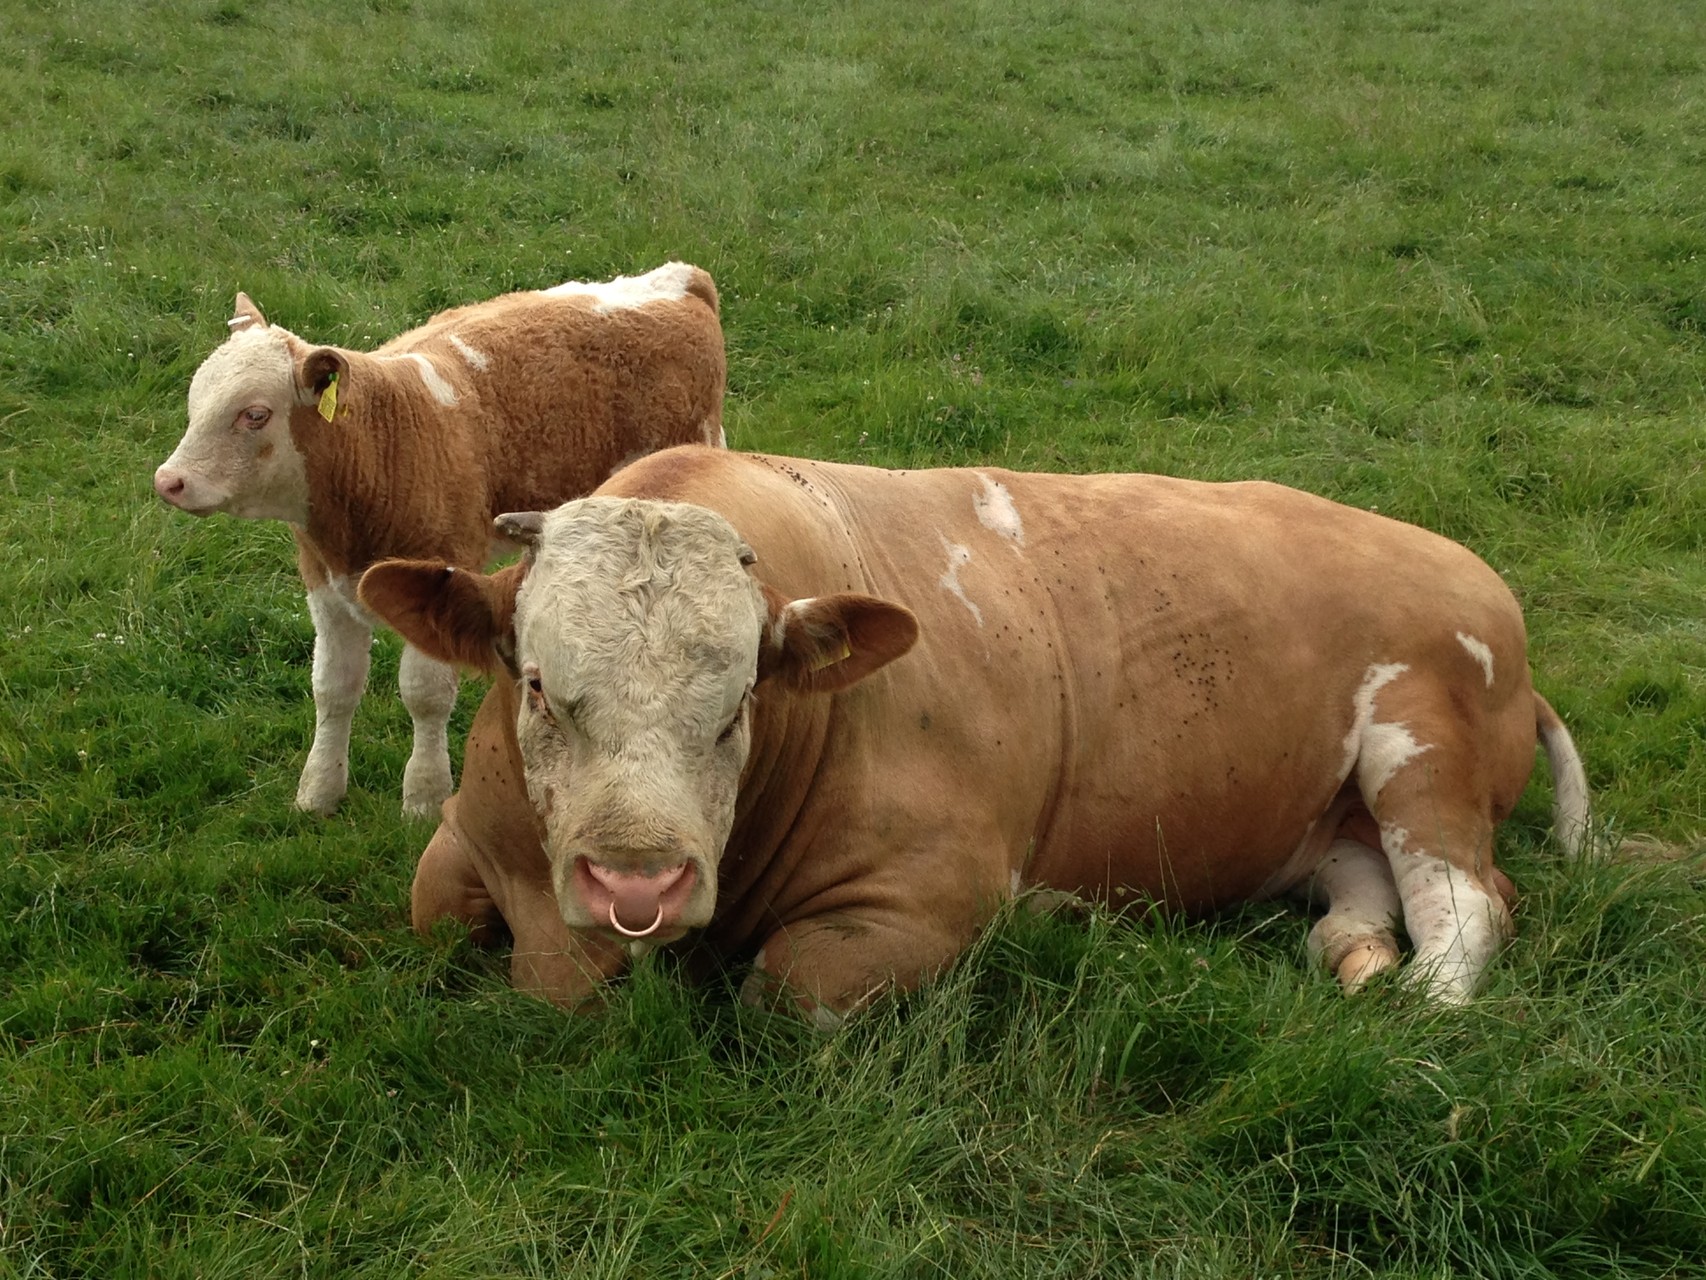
column 846, row 653
column 329, row 399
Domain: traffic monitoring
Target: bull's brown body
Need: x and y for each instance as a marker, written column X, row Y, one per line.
column 1125, row 687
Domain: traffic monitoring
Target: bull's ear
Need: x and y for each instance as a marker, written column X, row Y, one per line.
column 450, row 614
column 826, row 643
column 245, row 315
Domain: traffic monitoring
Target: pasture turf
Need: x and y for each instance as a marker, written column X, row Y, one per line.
column 1437, row 258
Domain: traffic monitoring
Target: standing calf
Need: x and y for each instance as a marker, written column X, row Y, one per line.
column 412, row 449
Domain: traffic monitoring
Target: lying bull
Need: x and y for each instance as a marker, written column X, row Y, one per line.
column 410, row 450
column 1124, row 687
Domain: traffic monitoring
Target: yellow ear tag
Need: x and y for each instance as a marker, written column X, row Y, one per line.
column 846, row 653
column 329, row 399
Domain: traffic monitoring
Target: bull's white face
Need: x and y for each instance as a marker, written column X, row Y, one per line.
column 637, row 634
column 237, row 455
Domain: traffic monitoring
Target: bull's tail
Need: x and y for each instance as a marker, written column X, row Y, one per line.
column 1571, row 816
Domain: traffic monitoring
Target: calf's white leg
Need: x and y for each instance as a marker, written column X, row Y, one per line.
column 342, row 650
column 429, row 692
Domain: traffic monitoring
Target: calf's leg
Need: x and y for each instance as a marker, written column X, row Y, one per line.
column 342, row 651
column 429, row 692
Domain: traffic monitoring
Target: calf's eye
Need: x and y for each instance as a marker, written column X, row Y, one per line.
column 256, row 416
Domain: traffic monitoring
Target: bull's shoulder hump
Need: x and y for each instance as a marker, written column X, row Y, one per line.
column 685, row 473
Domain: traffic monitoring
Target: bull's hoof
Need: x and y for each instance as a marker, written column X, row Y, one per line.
column 1362, row 961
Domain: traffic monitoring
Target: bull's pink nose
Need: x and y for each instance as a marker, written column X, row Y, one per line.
column 169, row 485
column 637, row 906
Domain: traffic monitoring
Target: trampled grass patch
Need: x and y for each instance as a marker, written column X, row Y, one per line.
column 1435, row 258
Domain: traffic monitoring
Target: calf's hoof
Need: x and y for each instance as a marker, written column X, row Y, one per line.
column 426, row 786
column 320, row 791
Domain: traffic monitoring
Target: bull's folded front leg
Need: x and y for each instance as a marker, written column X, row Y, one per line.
column 550, row 960
column 829, row 966
column 448, row 884
column 429, row 692
column 342, row 650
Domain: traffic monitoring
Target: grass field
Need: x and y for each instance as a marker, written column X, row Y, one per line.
column 1435, row 257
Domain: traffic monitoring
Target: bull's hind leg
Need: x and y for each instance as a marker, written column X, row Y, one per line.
column 1355, row 937
column 1422, row 771
column 429, row 692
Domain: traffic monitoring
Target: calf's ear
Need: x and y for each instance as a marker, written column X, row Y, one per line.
column 245, row 315
column 827, row 643
column 450, row 614
column 317, row 372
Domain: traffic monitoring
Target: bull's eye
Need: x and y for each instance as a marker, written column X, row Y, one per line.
column 536, row 698
column 256, row 416
column 729, row 729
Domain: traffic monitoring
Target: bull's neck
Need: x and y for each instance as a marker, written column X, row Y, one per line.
column 767, row 838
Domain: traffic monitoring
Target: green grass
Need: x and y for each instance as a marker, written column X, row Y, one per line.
column 1439, row 258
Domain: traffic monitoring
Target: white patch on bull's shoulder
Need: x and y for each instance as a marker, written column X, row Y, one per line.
column 667, row 283
column 1479, row 651
column 996, row 512
column 478, row 360
column 1377, row 751
column 958, row 558
column 1015, row 881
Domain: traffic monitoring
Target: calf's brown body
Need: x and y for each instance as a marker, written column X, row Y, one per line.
column 411, row 449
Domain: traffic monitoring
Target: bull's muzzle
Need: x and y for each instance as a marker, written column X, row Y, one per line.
column 638, row 904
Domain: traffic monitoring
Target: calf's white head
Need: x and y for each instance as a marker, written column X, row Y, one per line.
column 238, row 454
column 645, row 650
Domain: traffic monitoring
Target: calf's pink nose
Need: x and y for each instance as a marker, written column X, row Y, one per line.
column 169, row 485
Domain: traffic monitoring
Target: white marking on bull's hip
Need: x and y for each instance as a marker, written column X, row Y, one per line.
column 958, row 558
column 1479, row 651
column 1377, row 751
column 666, row 284
column 441, row 390
column 996, row 511
column 478, row 360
